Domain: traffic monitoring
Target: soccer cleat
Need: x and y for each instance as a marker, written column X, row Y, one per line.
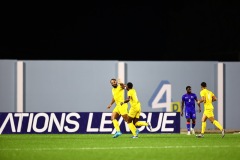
column 149, row 126
column 188, row 133
column 117, row 134
column 134, row 136
column 223, row 133
column 137, row 132
column 192, row 130
column 200, row 135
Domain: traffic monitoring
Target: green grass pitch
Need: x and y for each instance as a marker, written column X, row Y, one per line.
column 104, row 147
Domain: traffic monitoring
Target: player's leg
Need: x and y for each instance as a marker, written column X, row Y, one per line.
column 218, row 125
column 193, row 118
column 137, row 112
column 188, row 126
column 135, row 120
column 115, row 115
column 204, row 125
column 124, row 112
column 125, row 117
column 193, row 125
column 138, row 123
column 188, row 116
column 131, row 126
column 119, row 110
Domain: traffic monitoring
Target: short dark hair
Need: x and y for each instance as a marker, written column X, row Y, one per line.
column 113, row 79
column 129, row 85
column 204, row 84
column 188, row 87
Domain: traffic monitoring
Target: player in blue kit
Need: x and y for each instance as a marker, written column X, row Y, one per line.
column 189, row 100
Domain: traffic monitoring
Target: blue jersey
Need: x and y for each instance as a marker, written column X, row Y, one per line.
column 189, row 101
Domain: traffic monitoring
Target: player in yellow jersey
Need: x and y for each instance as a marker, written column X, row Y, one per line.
column 135, row 110
column 207, row 97
column 119, row 110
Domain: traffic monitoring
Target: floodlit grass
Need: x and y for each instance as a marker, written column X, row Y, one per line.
column 103, row 146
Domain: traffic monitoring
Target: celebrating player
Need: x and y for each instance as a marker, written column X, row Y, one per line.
column 135, row 110
column 118, row 97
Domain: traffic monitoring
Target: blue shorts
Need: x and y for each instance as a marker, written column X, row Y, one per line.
column 190, row 114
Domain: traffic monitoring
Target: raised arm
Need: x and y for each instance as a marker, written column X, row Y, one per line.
column 121, row 83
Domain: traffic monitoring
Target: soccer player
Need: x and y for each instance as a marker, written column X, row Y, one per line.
column 189, row 100
column 119, row 110
column 207, row 97
column 135, row 110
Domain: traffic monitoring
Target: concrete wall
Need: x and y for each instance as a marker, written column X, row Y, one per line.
column 68, row 86
column 7, row 85
column 232, row 96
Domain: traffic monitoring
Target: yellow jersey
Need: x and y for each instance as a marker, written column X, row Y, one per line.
column 208, row 98
column 118, row 94
column 134, row 99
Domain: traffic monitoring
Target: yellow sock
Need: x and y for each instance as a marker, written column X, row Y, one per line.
column 218, row 125
column 204, row 125
column 141, row 123
column 132, row 128
column 116, row 125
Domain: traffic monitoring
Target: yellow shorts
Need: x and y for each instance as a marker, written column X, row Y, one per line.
column 121, row 109
column 209, row 113
column 135, row 111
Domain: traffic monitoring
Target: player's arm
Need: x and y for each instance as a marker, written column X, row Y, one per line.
column 214, row 98
column 203, row 99
column 121, row 83
column 182, row 106
column 199, row 107
column 126, row 100
column 110, row 105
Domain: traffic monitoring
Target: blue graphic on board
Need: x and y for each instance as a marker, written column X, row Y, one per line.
column 161, row 98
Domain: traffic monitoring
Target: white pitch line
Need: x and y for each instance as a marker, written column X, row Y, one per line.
column 113, row 148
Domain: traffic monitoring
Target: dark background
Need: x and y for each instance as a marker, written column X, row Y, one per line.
column 172, row 30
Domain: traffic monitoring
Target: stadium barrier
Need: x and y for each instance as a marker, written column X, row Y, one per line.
column 82, row 122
